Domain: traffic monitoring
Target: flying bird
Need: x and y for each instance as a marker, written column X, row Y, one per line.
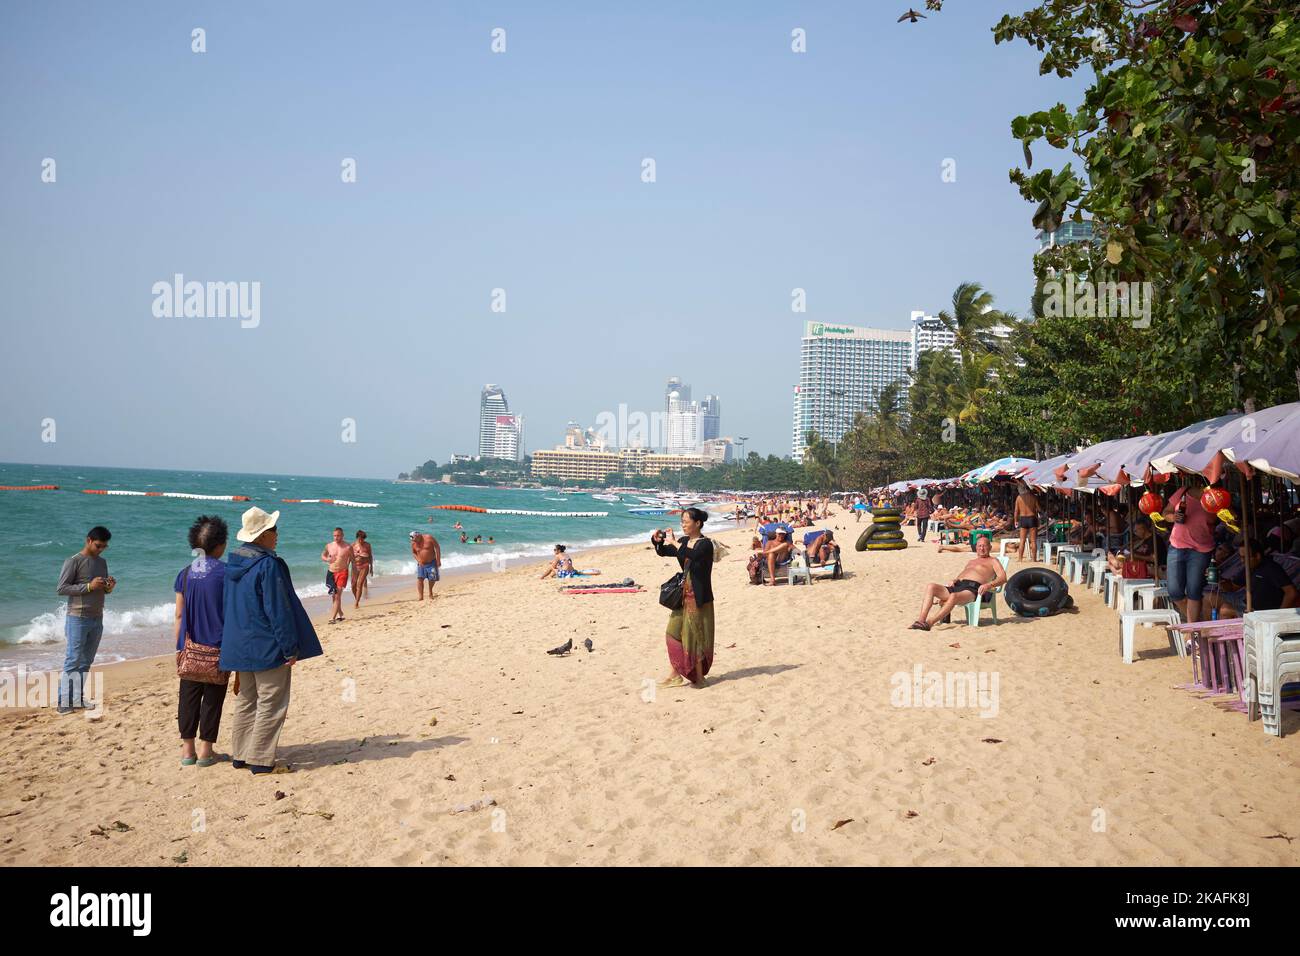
column 562, row 649
column 911, row 16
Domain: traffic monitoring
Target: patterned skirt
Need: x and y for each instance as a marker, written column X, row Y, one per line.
column 690, row 637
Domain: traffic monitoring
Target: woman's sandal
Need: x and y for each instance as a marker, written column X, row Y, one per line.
column 919, row 626
column 188, row 761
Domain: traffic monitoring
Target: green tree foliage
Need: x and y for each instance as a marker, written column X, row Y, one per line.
column 1189, row 137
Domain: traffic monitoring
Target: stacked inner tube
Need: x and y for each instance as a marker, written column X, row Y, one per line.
column 1037, row 592
column 885, row 532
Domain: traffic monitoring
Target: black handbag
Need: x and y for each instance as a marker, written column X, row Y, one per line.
column 671, row 591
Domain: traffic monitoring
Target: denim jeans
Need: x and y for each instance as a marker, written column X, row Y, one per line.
column 1187, row 573
column 83, row 635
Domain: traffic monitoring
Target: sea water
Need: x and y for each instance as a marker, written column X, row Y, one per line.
column 40, row 529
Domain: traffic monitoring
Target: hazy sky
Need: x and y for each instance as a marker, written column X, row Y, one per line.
column 477, row 170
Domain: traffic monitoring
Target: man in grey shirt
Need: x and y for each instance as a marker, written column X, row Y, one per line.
column 84, row 580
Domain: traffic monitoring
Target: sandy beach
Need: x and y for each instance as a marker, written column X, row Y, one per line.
column 1086, row 760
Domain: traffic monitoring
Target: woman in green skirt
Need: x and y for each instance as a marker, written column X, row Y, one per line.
column 690, row 627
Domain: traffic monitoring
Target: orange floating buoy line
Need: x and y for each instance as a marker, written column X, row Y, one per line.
column 481, row 511
column 165, row 494
column 29, row 487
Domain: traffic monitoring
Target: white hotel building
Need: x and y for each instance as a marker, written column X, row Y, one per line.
column 842, row 371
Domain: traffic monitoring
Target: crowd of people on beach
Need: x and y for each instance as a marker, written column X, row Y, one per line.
column 1204, row 555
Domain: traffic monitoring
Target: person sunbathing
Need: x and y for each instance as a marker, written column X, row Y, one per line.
column 822, row 549
column 778, row 551
column 981, row 574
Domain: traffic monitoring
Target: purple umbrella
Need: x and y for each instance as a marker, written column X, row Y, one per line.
column 1278, row 452
column 1236, row 439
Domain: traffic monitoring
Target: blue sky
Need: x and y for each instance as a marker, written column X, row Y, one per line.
column 519, row 170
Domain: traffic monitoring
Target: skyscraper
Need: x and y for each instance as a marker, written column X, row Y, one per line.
column 842, row 372
column 492, row 402
column 710, row 417
column 508, row 440
column 674, row 389
column 929, row 334
column 684, row 426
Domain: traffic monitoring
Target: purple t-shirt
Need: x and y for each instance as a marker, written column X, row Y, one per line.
column 203, row 582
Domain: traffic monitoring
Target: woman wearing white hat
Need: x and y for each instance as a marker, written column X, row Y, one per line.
column 266, row 632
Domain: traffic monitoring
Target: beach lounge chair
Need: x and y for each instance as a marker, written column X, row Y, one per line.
column 801, row 566
column 988, row 602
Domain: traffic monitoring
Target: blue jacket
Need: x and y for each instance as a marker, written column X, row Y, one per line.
column 265, row 623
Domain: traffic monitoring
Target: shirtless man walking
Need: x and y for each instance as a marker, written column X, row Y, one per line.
column 428, row 557
column 1026, row 515
column 338, row 556
column 981, row 574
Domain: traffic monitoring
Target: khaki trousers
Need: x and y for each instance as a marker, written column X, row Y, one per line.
column 258, row 713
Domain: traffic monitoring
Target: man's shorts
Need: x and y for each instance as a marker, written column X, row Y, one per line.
column 336, row 581
column 1027, row 521
column 427, row 572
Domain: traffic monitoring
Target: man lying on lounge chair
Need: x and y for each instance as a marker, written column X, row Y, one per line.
column 821, row 547
column 982, row 574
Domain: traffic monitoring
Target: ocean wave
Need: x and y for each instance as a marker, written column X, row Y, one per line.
column 47, row 628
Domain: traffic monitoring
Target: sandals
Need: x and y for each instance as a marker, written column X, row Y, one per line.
column 188, row 761
column 918, row 626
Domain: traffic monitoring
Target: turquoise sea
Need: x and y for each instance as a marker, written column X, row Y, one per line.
column 39, row 529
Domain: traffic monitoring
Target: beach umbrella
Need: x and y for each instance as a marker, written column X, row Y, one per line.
column 1236, row 439
column 1277, row 452
column 1008, row 467
column 1116, row 463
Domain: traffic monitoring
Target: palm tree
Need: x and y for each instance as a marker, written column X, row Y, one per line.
column 820, row 467
column 973, row 319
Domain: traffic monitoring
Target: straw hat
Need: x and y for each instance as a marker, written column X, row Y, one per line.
column 255, row 522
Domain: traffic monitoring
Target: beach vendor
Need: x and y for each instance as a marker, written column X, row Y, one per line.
column 265, row 632
column 690, row 627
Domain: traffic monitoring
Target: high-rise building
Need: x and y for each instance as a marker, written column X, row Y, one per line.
column 492, row 402
column 843, row 370
column 717, row 451
column 684, row 426
column 508, row 438
column 929, row 334
column 710, row 417
column 1066, row 232
column 674, row 390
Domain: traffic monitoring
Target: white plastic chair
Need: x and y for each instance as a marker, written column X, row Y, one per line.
column 1129, row 620
column 1272, row 644
column 1145, row 597
column 1127, row 588
column 1077, row 562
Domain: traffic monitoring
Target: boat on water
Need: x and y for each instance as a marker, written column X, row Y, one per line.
column 607, row 497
